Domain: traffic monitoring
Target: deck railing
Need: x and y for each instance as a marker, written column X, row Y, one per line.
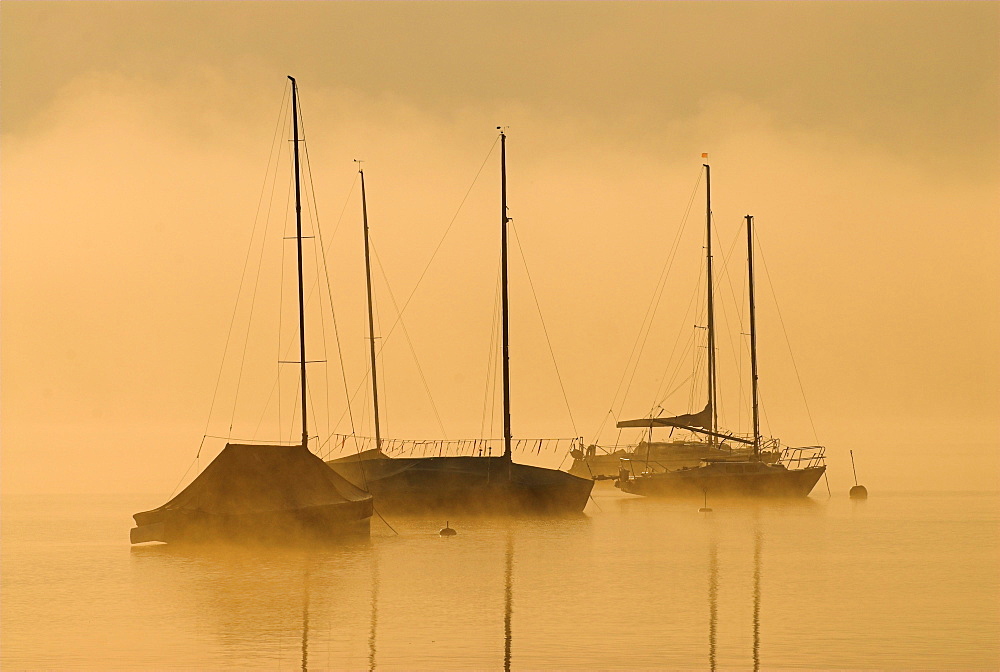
column 342, row 445
column 804, row 457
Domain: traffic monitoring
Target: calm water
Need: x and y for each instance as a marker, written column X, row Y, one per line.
column 901, row 581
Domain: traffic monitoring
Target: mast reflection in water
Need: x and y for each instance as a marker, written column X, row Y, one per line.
column 508, row 598
column 757, row 542
column 374, row 622
column 713, row 599
column 713, row 596
column 305, row 620
column 638, row 584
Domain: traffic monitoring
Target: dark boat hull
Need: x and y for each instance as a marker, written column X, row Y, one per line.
column 466, row 485
column 698, row 482
column 305, row 525
column 658, row 456
column 259, row 493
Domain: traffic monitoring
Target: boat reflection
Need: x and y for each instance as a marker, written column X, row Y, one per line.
column 259, row 607
column 713, row 596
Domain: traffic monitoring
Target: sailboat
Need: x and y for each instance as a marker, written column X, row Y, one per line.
column 603, row 462
column 465, row 483
column 264, row 493
column 795, row 473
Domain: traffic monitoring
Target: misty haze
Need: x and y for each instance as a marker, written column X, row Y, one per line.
column 500, row 335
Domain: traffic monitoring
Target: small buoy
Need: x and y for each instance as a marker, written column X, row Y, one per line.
column 858, row 491
column 705, row 508
column 447, row 531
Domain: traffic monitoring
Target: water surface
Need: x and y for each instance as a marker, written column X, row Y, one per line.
column 901, row 581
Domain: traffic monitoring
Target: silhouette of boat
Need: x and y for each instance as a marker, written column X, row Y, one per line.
column 604, row 462
column 465, row 483
column 793, row 474
column 264, row 493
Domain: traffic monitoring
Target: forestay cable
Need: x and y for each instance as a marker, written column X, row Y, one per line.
column 541, row 319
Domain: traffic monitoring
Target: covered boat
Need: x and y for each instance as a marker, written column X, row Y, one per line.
column 259, row 493
column 264, row 493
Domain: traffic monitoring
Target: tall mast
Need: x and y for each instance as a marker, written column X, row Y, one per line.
column 711, row 306
column 371, row 319
column 298, row 241
column 504, row 308
column 753, row 341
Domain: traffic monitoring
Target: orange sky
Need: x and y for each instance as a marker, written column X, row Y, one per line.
column 862, row 136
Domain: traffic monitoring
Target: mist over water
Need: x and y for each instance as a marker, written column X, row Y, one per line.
column 863, row 139
column 900, row 581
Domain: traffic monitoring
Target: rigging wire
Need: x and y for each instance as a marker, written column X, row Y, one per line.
column 313, row 212
column 440, row 242
column 680, row 384
column 406, row 335
column 688, row 343
column 545, row 330
column 184, row 475
column 784, row 331
column 343, row 209
column 246, row 262
column 647, row 321
column 699, row 359
column 278, row 326
column 253, row 304
column 423, row 273
column 385, row 369
column 734, row 349
column 362, row 383
column 289, row 442
column 491, row 361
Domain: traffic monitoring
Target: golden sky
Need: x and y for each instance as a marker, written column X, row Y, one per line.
column 864, row 138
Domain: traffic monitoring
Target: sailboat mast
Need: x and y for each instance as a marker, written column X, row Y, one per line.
column 371, row 319
column 711, row 306
column 753, row 341
column 504, row 307
column 298, row 241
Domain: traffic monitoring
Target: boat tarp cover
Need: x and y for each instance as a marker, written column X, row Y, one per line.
column 701, row 419
column 247, row 479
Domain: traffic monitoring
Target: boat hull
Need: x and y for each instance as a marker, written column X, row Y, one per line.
column 698, row 482
column 657, row 457
column 466, row 485
column 305, row 525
